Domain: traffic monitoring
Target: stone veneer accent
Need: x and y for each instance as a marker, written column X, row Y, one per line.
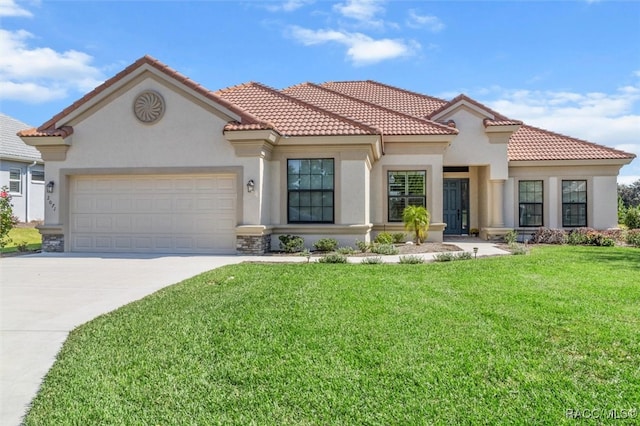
column 253, row 244
column 53, row 243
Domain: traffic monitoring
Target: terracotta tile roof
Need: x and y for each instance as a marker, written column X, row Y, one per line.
column 288, row 115
column 394, row 98
column 63, row 132
column 390, row 122
column 531, row 143
column 347, row 108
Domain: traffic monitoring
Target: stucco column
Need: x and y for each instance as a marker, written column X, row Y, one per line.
column 497, row 197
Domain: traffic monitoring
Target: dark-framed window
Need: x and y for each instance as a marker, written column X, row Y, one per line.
column 531, row 202
column 310, row 190
column 15, row 181
column 405, row 188
column 37, row 176
column 574, row 203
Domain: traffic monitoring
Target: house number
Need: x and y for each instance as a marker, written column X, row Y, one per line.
column 51, row 203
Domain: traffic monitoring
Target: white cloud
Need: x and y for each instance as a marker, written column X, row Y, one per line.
column 432, row 23
column 361, row 49
column 287, row 6
column 41, row 74
column 10, row 8
column 360, row 10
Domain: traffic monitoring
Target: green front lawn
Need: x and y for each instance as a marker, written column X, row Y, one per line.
column 22, row 237
column 515, row 340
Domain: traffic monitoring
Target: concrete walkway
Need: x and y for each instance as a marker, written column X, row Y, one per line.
column 45, row 296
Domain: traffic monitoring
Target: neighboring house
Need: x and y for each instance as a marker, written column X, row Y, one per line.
column 22, row 171
column 150, row 161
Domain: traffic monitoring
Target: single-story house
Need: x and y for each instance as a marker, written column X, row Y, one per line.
column 21, row 171
column 151, row 161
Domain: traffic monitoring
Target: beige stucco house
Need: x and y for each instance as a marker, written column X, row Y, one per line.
column 150, row 161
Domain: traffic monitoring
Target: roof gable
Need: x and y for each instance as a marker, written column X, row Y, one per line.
column 145, row 64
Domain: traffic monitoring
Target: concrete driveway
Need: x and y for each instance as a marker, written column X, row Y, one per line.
column 45, row 296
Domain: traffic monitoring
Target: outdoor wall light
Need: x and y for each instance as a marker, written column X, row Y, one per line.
column 50, row 186
column 251, row 185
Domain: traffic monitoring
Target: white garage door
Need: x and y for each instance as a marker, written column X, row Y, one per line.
column 153, row 214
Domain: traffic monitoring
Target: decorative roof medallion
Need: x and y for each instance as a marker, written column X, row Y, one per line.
column 149, row 106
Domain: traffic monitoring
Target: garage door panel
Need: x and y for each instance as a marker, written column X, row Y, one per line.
column 169, row 213
column 82, row 223
column 163, row 204
column 104, row 223
column 82, row 204
column 226, row 184
column 123, row 223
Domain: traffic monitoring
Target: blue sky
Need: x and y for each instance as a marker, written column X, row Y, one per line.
column 568, row 66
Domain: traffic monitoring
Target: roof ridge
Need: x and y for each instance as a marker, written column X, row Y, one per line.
column 552, row 133
column 380, row 107
column 351, row 121
column 400, row 89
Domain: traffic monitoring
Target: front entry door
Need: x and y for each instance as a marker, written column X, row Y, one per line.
column 456, row 206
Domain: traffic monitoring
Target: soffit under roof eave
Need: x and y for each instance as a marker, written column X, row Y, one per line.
column 126, row 80
column 46, row 140
column 252, row 135
column 586, row 162
column 503, row 128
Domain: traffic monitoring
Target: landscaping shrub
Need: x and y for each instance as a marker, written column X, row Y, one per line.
column 7, row 219
column 387, row 249
column 333, row 258
column 326, row 244
column 450, row 257
column 398, row 237
column 599, row 239
column 372, row 260
column 518, row 249
column 291, row 243
column 511, row 237
column 363, row 246
column 632, row 218
column 591, row 237
column 578, row 236
column 384, row 238
column 346, row 250
column 633, row 237
column 549, row 236
column 411, row 260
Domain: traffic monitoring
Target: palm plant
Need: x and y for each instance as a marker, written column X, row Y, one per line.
column 416, row 219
